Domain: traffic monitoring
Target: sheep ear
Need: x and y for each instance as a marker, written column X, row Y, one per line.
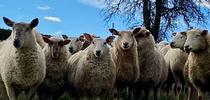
column 88, row 37
column 136, row 30
column 110, row 39
column 8, row 22
column 205, row 32
column 183, row 33
column 174, row 33
column 65, row 36
column 46, row 39
column 81, row 38
column 148, row 33
column 34, row 22
column 114, row 31
column 66, row 41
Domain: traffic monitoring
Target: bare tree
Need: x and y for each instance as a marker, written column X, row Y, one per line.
column 159, row 16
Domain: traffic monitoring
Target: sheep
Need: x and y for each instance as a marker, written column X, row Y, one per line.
column 75, row 45
column 22, row 61
column 153, row 71
column 125, row 57
column 3, row 92
column 161, row 44
column 164, row 49
column 95, row 72
column 197, row 44
column 56, row 63
column 178, row 41
column 175, row 60
column 39, row 39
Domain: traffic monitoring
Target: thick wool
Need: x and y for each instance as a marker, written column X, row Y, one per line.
column 55, row 82
column 95, row 76
column 175, row 60
column 126, row 62
column 152, row 64
column 22, row 68
column 198, row 65
column 164, row 49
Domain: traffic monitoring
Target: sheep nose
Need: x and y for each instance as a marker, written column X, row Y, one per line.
column 172, row 44
column 187, row 48
column 16, row 43
column 125, row 45
column 98, row 52
column 71, row 49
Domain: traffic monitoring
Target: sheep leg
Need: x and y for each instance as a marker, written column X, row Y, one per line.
column 137, row 93
column 190, row 92
column 31, row 92
column 11, row 92
column 156, row 93
column 200, row 95
column 146, row 92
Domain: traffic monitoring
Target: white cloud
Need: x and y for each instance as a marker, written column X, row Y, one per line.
column 94, row 3
column 52, row 19
column 44, row 8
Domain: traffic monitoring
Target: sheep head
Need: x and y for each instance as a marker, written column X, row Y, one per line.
column 56, row 45
column 125, row 38
column 21, row 32
column 196, row 40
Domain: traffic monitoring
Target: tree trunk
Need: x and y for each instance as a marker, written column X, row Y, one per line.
column 156, row 26
column 146, row 14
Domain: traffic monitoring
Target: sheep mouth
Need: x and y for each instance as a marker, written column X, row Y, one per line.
column 55, row 55
column 188, row 50
column 172, row 45
column 17, row 44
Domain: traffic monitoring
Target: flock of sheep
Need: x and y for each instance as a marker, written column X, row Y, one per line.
column 129, row 67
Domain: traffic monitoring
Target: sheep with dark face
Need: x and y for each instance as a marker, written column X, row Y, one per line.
column 55, row 82
column 22, row 60
column 153, row 71
column 197, row 44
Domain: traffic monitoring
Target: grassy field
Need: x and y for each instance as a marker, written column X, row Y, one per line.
column 182, row 96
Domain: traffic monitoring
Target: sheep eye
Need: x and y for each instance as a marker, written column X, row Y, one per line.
column 132, row 34
column 93, row 42
column 105, row 43
column 197, row 35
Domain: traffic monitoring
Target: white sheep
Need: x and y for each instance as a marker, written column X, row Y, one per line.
column 198, row 63
column 55, row 80
column 95, row 72
column 178, row 41
column 125, row 57
column 161, row 44
column 176, row 59
column 75, row 45
column 153, row 71
column 22, row 60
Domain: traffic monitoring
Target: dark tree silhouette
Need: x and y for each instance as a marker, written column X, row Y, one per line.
column 4, row 33
column 159, row 16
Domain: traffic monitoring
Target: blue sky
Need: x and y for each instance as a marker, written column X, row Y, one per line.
column 72, row 17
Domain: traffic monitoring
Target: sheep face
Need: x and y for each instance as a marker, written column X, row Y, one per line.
column 56, row 45
column 75, row 45
column 125, row 38
column 178, row 40
column 22, row 32
column 196, row 40
column 142, row 35
column 99, row 47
